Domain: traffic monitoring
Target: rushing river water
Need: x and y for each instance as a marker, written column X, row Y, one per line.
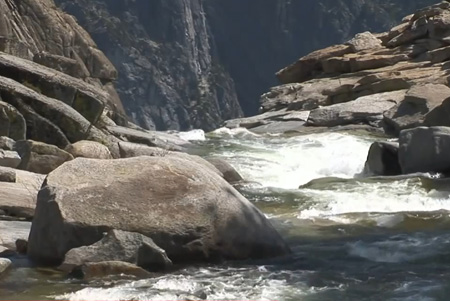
column 353, row 238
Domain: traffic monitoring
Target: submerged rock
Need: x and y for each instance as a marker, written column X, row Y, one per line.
column 186, row 209
column 425, row 149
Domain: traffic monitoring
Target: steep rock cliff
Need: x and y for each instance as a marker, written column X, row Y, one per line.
column 169, row 74
column 39, row 31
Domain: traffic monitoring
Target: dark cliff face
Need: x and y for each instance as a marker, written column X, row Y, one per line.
column 169, row 74
column 194, row 63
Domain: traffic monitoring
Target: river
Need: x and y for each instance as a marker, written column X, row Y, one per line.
column 353, row 237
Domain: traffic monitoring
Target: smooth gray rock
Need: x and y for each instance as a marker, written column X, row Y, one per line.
column 9, row 159
column 150, row 138
column 10, row 231
column 89, row 149
column 367, row 110
column 123, row 246
column 279, row 127
column 382, row 159
column 39, row 157
column 425, row 149
column 229, row 173
column 186, row 209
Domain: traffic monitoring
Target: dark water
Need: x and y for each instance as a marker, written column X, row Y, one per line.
column 352, row 238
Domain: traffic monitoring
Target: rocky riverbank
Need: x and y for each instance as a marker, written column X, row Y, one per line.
column 395, row 83
column 89, row 190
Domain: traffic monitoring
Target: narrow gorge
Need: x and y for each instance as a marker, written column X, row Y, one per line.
column 224, row 150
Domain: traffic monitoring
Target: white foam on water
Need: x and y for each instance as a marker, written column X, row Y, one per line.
column 290, row 162
column 399, row 196
column 194, row 135
column 180, row 287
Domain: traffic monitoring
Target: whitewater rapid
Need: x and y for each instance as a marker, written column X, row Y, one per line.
column 353, row 238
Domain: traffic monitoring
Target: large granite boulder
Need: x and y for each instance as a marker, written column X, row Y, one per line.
column 425, row 149
column 40, row 157
column 186, row 209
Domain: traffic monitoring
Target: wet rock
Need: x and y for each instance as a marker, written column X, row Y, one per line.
column 94, row 270
column 229, row 173
column 21, row 246
column 367, row 109
column 123, row 246
column 382, row 159
column 9, row 159
column 89, row 149
column 39, row 157
column 7, row 143
column 203, row 219
column 425, row 149
column 4, row 265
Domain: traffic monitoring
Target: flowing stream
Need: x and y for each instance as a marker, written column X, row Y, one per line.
column 353, row 237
